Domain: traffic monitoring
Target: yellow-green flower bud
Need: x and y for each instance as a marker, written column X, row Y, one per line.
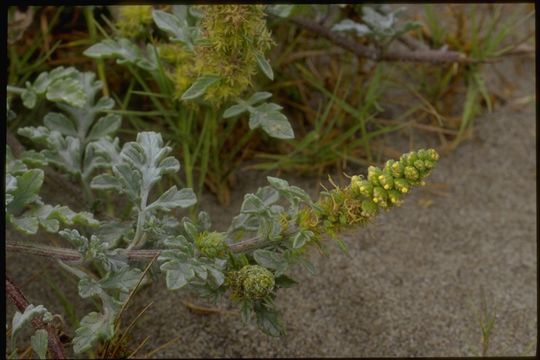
column 362, row 187
column 386, row 180
column 133, row 19
column 428, row 164
column 373, row 175
column 423, row 154
column 369, row 208
column 432, row 155
column 402, row 185
column 256, row 282
column 379, row 196
column 395, row 196
column 419, row 165
column 396, row 169
column 411, row 173
column 211, row 244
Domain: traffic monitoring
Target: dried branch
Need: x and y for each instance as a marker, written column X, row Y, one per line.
column 15, row 294
column 430, row 56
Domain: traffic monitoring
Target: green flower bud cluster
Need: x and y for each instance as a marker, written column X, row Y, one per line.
column 232, row 36
column 364, row 197
column 384, row 188
column 251, row 282
column 133, row 19
column 211, row 244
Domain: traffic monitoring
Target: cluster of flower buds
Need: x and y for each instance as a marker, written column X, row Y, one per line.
column 384, row 188
column 251, row 282
column 211, row 244
column 133, row 19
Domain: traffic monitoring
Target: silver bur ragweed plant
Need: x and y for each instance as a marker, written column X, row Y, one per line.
column 249, row 261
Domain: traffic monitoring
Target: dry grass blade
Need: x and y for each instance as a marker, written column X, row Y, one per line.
column 161, row 347
column 134, row 289
column 130, row 356
column 128, row 329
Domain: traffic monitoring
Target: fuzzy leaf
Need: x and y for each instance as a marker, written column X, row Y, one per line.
column 301, row 238
column 40, row 341
column 104, row 126
column 68, row 90
column 264, row 65
column 60, row 123
column 234, row 110
column 174, row 198
column 28, row 186
column 106, row 182
column 258, row 97
column 123, row 280
column 93, row 327
column 29, row 313
column 270, row 259
column 199, row 86
column 172, row 25
column 27, row 225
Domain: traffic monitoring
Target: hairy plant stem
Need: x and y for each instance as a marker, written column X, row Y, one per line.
column 73, row 256
column 139, row 237
column 56, row 348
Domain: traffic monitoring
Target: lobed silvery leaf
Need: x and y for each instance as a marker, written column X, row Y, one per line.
column 124, row 51
column 124, row 280
column 93, row 327
column 19, row 319
column 174, row 198
column 26, row 190
column 60, row 123
column 68, row 90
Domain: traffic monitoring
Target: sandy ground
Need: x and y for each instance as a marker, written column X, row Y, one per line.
column 411, row 284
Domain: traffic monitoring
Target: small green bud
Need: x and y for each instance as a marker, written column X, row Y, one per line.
column 379, row 196
column 369, row 208
column 432, row 155
column 362, row 187
column 419, row 165
column 386, row 180
column 411, row 158
column 428, row 164
column 256, row 281
column 395, row 196
column 411, row 173
column 422, row 154
column 211, row 244
column 373, row 175
column 396, row 169
column 402, row 185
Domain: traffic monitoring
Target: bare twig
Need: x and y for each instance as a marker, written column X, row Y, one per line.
column 430, row 56
column 56, row 347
